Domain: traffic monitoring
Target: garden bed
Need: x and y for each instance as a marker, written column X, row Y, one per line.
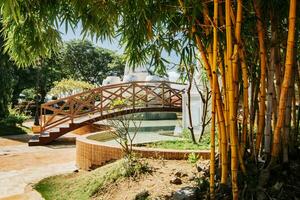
column 109, row 182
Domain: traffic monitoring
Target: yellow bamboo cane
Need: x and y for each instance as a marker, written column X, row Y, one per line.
column 263, row 64
column 214, row 80
column 233, row 131
column 220, row 113
column 286, row 80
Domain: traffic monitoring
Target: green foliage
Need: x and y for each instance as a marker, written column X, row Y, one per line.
column 29, row 32
column 29, row 94
column 186, row 134
column 133, row 166
column 193, row 158
column 81, row 185
column 178, row 144
column 12, row 124
column 67, row 87
column 5, row 87
column 12, row 130
column 14, row 118
column 202, row 183
column 6, row 80
column 83, row 61
column 118, row 103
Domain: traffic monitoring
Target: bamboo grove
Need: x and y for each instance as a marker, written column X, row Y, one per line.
column 247, row 48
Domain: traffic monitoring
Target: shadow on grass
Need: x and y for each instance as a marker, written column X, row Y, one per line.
column 14, row 132
column 6, row 130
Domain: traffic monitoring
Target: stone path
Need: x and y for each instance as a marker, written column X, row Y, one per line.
column 21, row 165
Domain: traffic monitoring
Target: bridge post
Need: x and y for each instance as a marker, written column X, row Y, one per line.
column 133, row 95
column 101, row 102
column 163, row 95
column 170, row 96
column 72, row 111
column 146, row 95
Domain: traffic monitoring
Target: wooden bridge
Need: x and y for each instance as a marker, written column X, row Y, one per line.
column 67, row 114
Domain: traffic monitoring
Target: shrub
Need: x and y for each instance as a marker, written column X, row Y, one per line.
column 15, row 117
column 134, row 166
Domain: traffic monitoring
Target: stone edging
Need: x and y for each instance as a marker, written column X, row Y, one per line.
column 91, row 153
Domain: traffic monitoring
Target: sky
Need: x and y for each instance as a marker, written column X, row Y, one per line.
column 113, row 45
column 70, row 35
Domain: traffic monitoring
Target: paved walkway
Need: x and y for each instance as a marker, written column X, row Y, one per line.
column 146, row 137
column 21, row 165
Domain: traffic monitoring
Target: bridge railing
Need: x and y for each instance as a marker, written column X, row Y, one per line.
column 98, row 101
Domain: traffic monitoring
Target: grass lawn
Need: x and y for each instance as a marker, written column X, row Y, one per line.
column 184, row 144
column 102, row 137
column 178, row 144
column 82, row 185
column 12, row 130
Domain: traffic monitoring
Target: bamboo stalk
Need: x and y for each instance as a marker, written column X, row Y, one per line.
column 214, row 80
column 286, row 80
column 220, row 113
column 263, row 64
column 231, row 92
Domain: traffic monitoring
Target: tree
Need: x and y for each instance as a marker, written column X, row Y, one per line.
column 125, row 128
column 6, row 73
column 83, row 61
column 6, row 81
column 67, row 87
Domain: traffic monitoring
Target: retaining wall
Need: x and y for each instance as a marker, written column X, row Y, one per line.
column 91, row 154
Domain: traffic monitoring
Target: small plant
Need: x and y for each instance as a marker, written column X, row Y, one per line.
column 134, row 166
column 186, row 134
column 193, row 158
column 202, row 183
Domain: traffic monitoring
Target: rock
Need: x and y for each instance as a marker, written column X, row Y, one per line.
column 199, row 168
column 192, row 177
column 142, row 195
column 202, row 166
column 178, row 173
column 277, row 186
column 201, row 174
column 184, row 175
column 176, row 181
column 186, row 193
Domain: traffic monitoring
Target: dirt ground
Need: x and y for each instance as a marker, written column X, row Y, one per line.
column 156, row 183
column 21, row 165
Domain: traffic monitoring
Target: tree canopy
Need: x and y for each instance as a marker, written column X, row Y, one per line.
column 82, row 60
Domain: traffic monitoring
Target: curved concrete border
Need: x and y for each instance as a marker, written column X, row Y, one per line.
column 91, row 154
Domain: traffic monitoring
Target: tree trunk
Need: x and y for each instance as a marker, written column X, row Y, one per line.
column 191, row 128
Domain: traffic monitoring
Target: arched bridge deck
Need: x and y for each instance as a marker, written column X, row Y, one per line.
column 66, row 114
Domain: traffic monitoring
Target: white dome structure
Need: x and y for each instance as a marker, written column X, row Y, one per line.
column 111, row 80
column 136, row 73
column 130, row 78
column 152, row 78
